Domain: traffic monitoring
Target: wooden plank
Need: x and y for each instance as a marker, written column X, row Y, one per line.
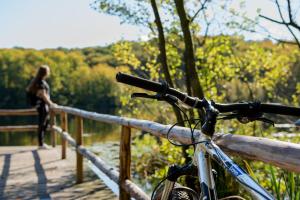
column 52, row 123
column 125, row 161
column 20, row 128
column 79, row 142
column 64, row 126
column 30, row 173
column 18, row 112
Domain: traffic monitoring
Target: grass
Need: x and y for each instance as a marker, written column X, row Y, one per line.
column 285, row 185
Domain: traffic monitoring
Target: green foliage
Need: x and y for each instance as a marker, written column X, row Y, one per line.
column 244, row 70
column 275, row 183
column 133, row 12
column 74, row 81
column 152, row 156
column 95, row 88
column 285, row 185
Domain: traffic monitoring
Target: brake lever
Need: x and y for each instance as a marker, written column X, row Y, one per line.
column 227, row 117
column 143, row 95
column 245, row 119
column 265, row 120
column 168, row 98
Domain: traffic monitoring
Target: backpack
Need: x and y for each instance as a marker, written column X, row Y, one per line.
column 31, row 98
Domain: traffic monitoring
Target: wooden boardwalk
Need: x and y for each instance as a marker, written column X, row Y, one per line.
column 29, row 173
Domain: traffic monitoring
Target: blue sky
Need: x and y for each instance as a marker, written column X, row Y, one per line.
column 72, row 23
column 53, row 23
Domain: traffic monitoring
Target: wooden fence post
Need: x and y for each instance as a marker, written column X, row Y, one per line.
column 125, row 160
column 79, row 158
column 64, row 126
column 52, row 123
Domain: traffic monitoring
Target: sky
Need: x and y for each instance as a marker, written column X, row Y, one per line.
column 73, row 23
column 54, row 23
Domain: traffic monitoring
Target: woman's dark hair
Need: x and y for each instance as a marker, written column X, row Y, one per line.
column 41, row 73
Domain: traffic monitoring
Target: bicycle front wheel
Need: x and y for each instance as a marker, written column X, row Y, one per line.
column 178, row 193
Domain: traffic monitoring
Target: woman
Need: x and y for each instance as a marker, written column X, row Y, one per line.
column 40, row 93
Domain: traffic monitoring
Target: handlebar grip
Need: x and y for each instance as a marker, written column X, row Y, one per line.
column 264, row 107
column 280, row 109
column 139, row 82
column 156, row 87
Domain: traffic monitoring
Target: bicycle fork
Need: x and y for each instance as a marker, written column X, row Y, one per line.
column 205, row 174
column 201, row 166
column 174, row 173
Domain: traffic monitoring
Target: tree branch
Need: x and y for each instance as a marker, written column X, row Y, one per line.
column 201, row 8
column 208, row 23
column 279, row 10
column 287, row 24
column 272, row 20
column 163, row 54
column 293, row 34
column 283, row 22
column 291, row 18
column 290, row 10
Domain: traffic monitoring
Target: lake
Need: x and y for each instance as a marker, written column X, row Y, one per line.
column 94, row 132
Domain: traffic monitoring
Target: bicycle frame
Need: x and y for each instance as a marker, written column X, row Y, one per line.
column 202, row 160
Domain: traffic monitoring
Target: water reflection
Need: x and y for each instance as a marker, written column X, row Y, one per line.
column 93, row 132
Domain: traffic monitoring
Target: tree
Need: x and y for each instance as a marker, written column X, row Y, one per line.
column 130, row 12
column 288, row 19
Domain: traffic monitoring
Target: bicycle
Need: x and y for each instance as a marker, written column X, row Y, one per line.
column 205, row 148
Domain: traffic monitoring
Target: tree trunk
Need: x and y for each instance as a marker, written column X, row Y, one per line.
column 189, row 52
column 189, row 89
column 163, row 55
column 190, row 66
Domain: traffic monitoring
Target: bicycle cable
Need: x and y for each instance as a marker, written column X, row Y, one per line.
column 192, row 129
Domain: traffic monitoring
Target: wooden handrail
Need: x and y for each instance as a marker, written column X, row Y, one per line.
column 26, row 128
column 20, row 128
column 274, row 152
column 285, row 155
column 18, row 112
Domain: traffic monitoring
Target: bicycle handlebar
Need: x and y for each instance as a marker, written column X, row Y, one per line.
column 195, row 102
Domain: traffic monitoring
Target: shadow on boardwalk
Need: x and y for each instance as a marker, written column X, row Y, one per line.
column 42, row 179
column 28, row 173
column 4, row 174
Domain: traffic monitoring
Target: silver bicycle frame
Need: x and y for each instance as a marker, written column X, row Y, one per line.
column 202, row 159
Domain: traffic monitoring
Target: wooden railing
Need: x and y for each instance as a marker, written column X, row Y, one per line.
column 282, row 154
column 18, row 112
